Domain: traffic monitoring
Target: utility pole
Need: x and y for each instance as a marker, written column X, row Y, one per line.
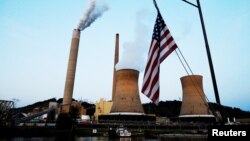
column 217, row 97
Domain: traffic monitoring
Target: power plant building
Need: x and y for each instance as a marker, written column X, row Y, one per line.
column 102, row 108
column 194, row 103
column 125, row 95
column 127, row 99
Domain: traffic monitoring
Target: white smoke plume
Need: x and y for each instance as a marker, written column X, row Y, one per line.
column 134, row 55
column 92, row 12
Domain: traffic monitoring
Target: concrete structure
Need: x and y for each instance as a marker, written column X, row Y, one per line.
column 194, row 103
column 102, row 108
column 116, row 59
column 126, row 107
column 70, row 78
column 127, row 99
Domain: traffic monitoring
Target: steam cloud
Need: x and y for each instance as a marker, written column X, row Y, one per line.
column 134, row 55
column 92, row 12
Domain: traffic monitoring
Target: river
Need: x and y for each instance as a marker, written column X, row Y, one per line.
column 139, row 138
column 77, row 139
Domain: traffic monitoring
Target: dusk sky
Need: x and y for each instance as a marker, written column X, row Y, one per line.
column 35, row 38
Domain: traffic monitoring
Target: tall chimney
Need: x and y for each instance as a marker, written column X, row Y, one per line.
column 127, row 99
column 193, row 100
column 116, row 59
column 70, row 78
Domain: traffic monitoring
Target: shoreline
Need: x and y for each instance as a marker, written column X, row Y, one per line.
column 95, row 130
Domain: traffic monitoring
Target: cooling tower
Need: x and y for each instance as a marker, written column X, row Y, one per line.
column 116, row 59
column 127, row 99
column 70, row 78
column 194, row 103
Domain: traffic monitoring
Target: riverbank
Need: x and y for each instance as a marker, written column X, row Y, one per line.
column 101, row 130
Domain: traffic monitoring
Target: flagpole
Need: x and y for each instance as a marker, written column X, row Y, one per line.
column 156, row 6
column 217, row 97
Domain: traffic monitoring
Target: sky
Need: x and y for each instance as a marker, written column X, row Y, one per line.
column 35, row 38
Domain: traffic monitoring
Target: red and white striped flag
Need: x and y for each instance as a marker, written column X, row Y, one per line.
column 162, row 45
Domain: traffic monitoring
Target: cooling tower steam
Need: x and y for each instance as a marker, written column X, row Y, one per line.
column 134, row 54
column 92, row 12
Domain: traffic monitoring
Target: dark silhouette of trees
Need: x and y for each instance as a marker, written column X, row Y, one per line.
column 172, row 109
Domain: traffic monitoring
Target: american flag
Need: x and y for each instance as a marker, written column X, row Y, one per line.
column 162, row 45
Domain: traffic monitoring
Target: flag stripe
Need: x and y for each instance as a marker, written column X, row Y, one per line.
column 152, row 69
column 152, row 57
column 152, row 50
column 168, row 53
column 161, row 46
column 154, row 86
column 165, row 32
column 154, row 79
column 156, row 97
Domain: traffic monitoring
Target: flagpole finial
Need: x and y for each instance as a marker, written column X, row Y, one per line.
column 156, row 6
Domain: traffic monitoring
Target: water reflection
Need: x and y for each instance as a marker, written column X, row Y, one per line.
column 124, row 139
column 29, row 139
column 74, row 138
column 113, row 139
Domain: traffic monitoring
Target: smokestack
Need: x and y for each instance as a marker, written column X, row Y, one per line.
column 116, row 59
column 70, row 78
column 193, row 100
column 127, row 99
column 91, row 14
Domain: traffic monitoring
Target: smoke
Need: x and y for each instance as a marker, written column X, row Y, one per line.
column 134, row 55
column 93, row 11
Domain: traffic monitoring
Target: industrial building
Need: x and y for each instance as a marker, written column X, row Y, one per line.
column 102, row 108
column 126, row 106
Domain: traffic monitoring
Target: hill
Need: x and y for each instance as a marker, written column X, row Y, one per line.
column 172, row 109
column 164, row 109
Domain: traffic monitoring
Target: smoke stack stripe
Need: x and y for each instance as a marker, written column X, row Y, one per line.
column 70, row 78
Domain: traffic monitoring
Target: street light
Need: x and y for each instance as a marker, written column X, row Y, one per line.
column 217, row 97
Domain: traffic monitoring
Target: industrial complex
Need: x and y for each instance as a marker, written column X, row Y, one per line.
column 125, row 105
